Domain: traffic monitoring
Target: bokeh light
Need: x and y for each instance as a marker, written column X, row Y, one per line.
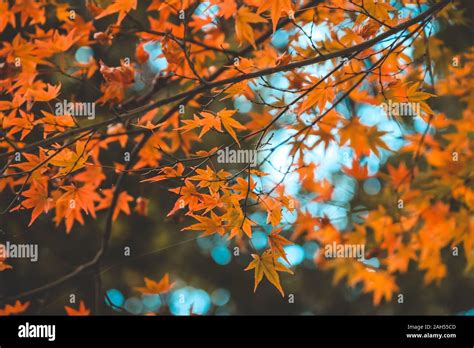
column 221, row 255
column 84, row 54
column 220, row 297
column 116, row 298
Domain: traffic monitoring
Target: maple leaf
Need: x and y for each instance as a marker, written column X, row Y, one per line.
column 325, row 136
column 235, row 90
column 70, row 203
column 37, row 198
column 209, row 178
column 399, row 259
column 93, row 175
column 229, row 123
column 117, row 80
column 244, row 189
column 324, row 189
column 243, row 29
column 189, row 197
column 267, row 266
column 305, row 223
column 120, row 6
column 167, row 173
column 82, row 311
column 319, row 96
column 207, row 122
column 210, row 121
column 156, row 288
column 376, row 9
column 56, row 42
column 17, row 308
column 67, row 160
column 363, row 139
column 45, row 94
column 276, row 8
column 237, row 222
column 368, row 30
column 173, row 53
column 121, row 205
column 37, row 164
column 6, row 16
column 55, row 123
column 123, row 74
column 23, row 124
column 326, row 233
column 398, row 175
column 277, row 242
column 357, row 171
column 210, row 225
column 141, row 54
column 380, row 283
column 306, row 175
column 415, row 95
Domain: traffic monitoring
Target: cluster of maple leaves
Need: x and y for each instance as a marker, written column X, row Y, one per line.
column 61, row 170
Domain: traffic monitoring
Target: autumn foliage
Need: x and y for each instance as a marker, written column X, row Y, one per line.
column 308, row 103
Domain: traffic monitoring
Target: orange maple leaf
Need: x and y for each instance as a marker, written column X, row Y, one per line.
column 120, row 6
column 276, row 8
column 17, row 308
column 167, row 173
column 82, row 311
column 243, row 29
column 189, row 197
column 357, row 171
column 237, row 222
column 229, row 123
column 156, row 288
column 121, row 205
column 210, row 225
column 37, row 198
column 211, row 179
column 70, row 203
column 277, row 242
column 68, row 160
column 141, row 54
column 362, row 138
column 319, row 96
column 23, row 124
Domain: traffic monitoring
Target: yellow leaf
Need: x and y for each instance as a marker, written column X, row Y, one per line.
column 277, row 242
column 243, row 30
column 267, row 266
column 69, row 161
column 276, row 7
column 229, row 123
